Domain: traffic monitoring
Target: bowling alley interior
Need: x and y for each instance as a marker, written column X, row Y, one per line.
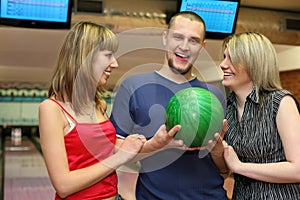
column 29, row 49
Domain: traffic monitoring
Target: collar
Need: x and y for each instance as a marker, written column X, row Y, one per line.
column 252, row 96
column 193, row 78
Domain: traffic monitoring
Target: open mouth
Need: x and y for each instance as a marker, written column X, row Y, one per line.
column 228, row 74
column 107, row 73
column 182, row 57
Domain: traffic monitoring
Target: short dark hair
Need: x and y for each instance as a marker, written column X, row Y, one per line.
column 187, row 14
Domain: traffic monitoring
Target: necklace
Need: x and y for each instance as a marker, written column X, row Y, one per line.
column 92, row 113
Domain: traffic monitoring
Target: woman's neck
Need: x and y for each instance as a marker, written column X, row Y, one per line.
column 241, row 96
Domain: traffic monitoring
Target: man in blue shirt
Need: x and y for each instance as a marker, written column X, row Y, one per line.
column 139, row 107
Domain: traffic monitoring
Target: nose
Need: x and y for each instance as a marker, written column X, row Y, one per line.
column 184, row 45
column 115, row 63
column 223, row 65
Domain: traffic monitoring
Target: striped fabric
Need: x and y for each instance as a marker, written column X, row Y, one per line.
column 256, row 139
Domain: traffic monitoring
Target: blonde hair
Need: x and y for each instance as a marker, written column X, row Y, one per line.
column 73, row 78
column 257, row 55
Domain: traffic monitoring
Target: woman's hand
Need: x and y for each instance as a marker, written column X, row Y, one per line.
column 131, row 146
column 215, row 146
column 231, row 158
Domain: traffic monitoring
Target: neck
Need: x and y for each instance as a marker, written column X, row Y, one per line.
column 242, row 93
column 173, row 76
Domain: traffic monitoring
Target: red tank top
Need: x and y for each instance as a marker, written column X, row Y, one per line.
column 87, row 144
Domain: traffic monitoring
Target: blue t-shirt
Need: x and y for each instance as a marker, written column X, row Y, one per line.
column 139, row 107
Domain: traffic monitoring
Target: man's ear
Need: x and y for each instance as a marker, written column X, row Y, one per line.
column 204, row 44
column 164, row 37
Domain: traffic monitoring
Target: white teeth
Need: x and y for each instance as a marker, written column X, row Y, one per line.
column 181, row 55
column 107, row 73
column 228, row 74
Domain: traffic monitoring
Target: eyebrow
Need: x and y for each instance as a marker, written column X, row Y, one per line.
column 193, row 37
column 198, row 39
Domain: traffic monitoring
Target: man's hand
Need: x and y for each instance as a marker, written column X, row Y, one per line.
column 164, row 139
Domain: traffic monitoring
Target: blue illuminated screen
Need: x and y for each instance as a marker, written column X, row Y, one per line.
column 219, row 16
column 40, row 10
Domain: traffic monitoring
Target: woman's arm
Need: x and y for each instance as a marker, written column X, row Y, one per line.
column 216, row 149
column 51, row 124
column 288, row 124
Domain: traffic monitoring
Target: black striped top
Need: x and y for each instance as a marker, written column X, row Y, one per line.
column 256, row 139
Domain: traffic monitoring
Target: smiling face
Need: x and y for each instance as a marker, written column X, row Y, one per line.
column 235, row 77
column 103, row 64
column 183, row 41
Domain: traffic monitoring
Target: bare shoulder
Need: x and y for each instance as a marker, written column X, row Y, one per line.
column 288, row 100
column 51, row 113
column 48, row 105
column 288, row 107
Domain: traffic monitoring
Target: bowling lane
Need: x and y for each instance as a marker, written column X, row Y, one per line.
column 25, row 173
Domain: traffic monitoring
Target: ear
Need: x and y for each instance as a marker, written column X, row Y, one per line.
column 204, row 44
column 164, row 37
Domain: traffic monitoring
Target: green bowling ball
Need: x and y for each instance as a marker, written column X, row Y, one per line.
column 200, row 114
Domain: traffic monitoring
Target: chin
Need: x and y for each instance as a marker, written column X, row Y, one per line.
column 181, row 68
column 225, row 83
column 102, row 82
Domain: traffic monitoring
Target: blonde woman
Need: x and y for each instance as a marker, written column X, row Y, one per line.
column 77, row 137
column 263, row 122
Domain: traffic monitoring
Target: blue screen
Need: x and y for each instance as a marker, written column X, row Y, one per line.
column 39, row 10
column 219, row 16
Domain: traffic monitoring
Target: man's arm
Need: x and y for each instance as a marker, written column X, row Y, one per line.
column 161, row 140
